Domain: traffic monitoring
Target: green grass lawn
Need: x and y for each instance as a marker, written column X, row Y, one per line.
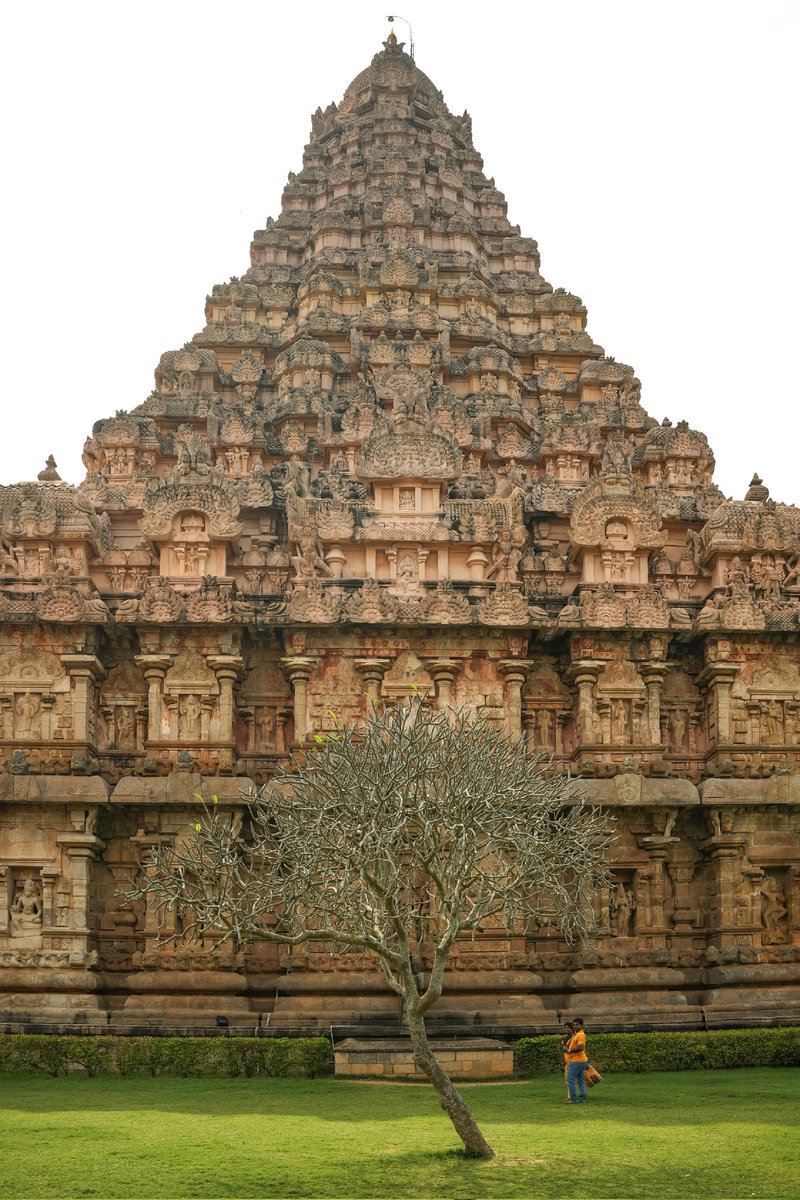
column 694, row 1134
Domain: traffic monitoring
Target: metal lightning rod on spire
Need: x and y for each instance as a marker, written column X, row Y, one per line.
column 397, row 17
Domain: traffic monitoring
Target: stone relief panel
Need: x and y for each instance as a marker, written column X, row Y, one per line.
column 190, row 709
column 123, row 708
column 35, row 701
column 264, row 708
column 547, row 707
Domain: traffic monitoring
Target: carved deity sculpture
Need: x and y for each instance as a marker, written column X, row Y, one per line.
column 308, row 561
column 192, row 710
column 678, row 728
column 773, row 911
column 621, row 909
column 27, row 709
column 8, row 563
column 26, row 911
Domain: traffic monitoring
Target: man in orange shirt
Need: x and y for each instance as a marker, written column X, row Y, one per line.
column 577, row 1062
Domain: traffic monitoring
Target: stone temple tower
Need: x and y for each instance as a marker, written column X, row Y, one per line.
column 394, row 458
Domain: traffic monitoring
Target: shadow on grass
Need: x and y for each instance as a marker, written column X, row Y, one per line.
column 759, row 1095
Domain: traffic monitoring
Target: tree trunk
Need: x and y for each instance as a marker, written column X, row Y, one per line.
column 450, row 1098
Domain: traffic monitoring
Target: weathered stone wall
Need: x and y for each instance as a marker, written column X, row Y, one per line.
column 394, row 459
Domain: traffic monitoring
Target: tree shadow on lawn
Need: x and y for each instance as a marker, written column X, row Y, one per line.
column 758, row 1096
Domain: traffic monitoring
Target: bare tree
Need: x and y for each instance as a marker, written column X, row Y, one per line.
column 394, row 840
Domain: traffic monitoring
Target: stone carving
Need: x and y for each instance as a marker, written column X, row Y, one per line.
column 622, row 907
column 394, row 445
column 371, row 604
column 313, row 605
column 160, row 603
column 25, row 917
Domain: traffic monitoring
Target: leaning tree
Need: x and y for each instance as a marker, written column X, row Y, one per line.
column 394, row 841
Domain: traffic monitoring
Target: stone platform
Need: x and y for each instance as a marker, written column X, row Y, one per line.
column 472, row 1058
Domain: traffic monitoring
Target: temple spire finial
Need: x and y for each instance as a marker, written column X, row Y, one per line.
column 49, row 473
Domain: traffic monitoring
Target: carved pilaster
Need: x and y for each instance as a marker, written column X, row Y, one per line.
column 84, row 671
column 585, row 674
column 717, row 678
column 443, row 672
column 228, row 669
column 515, row 671
column 154, row 667
column 81, row 849
column 372, row 670
column 298, row 671
column 653, row 675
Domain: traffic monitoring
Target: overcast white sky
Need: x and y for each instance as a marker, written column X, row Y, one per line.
column 650, row 148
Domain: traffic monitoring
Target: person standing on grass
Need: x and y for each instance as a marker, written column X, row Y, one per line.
column 577, row 1062
column 569, row 1029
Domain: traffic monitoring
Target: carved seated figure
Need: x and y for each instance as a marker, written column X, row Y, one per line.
column 308, row 561
column 26, row 911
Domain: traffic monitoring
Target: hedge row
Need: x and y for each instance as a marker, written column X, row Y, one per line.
column 709, row 1050
column 57, row 1054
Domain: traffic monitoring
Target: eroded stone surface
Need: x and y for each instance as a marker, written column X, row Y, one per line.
column 393, row 459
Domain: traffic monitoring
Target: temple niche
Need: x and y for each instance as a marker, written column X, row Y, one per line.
column 394, row 461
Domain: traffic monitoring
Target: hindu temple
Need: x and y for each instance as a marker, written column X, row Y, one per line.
column 394, row 459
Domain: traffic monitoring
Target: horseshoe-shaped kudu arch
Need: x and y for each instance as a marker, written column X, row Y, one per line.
column 393, row 461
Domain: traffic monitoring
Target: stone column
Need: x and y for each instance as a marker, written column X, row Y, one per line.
column 585, row 674
column 725, row 851
column 718, row 677
column 443, row 672
column 158, row 922
column 154, row 667
column 373, row 671
column 515, row 672
column 6, row 897
column 84, row 670
column 653, row 675
column 299, row 670
column 49, row 875
column 81, row 849
column 657, row 849
column 228, row 669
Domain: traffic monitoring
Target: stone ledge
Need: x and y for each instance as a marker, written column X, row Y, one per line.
column 478, row 1058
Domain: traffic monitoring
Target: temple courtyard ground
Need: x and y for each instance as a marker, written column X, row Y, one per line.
column 695, row 1134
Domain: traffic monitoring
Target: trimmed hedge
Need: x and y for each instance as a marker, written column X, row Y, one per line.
column 58, row 1054
column 684, row 1051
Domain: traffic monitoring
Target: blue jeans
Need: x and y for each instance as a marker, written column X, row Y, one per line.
column 576, row 1079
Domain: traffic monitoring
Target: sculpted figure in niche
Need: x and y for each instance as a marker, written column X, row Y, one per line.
column 737, row 573
column 308, row 561
column 297, row 480
column 265, row 728
column 768, row 577
column 792, row 577
column 26, row 911
column 772, row 721
column 616, row 458
column 191, row 711
column 621, row 909
column 407, row 573
column 773, row 911
column 126, row 725
column 8, row 564
column 504, row 559
column 27, row 710
column 619, row 721
column 678, row 728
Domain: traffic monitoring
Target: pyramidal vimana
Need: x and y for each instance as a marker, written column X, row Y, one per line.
column 394, row 459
